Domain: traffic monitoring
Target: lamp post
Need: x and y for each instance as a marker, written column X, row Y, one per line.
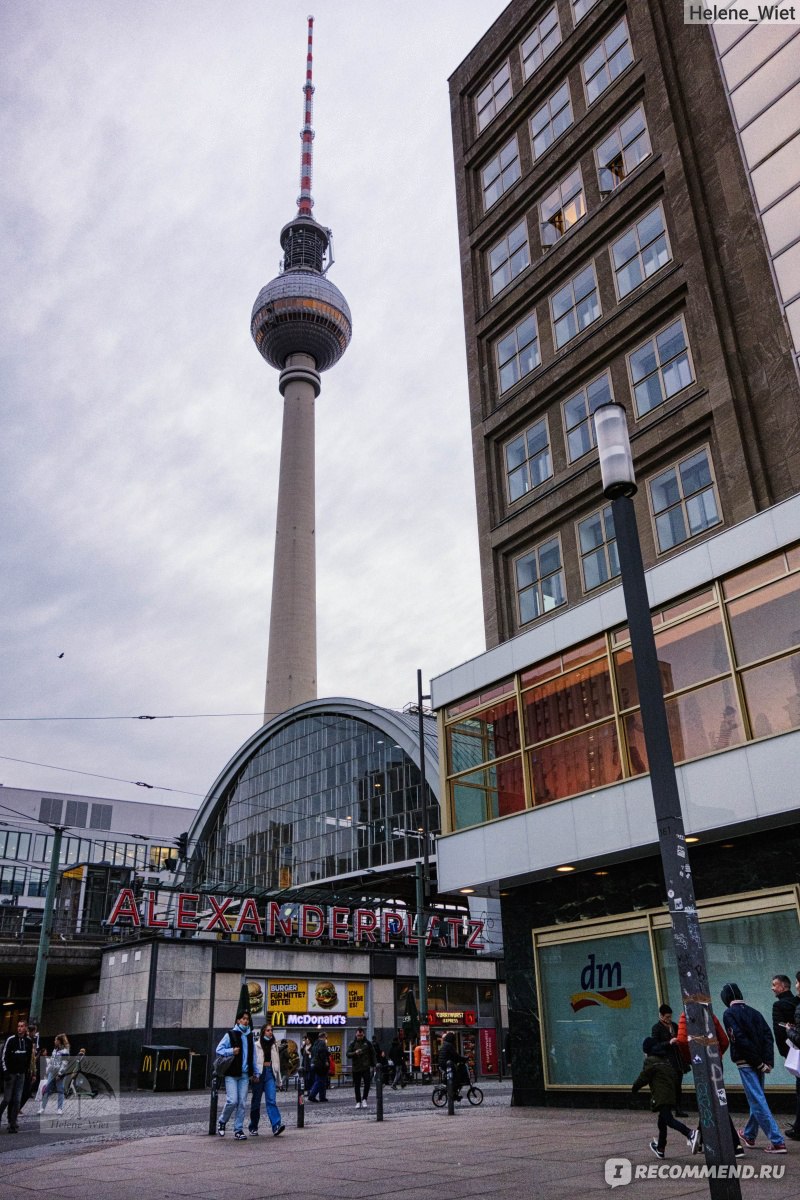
column 619, row 486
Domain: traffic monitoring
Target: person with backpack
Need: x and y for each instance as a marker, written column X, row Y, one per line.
column 753, row 1051
column 659, row 1076
column 237, row 1044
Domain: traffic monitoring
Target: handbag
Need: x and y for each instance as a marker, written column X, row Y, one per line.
column 792, row 1061
column 223, row 1065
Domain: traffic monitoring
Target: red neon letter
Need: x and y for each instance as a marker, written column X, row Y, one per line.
column 274, row 918
column 218, row 915
column 366, row 924
column 124, row 906
column 455, row 925
column 248, row 915
column 152, row 920
column 391, row 925
column 307, row 930
column 186, row 916
column 477, row 931
column 339, row 930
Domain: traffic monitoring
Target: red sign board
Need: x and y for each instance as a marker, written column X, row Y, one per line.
column 452, row 1018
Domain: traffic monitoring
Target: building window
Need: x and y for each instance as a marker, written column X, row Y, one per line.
column 499, row 174
column 684, row 501
column 580, row 9
column 539, row 581
column 607, row 61
column 518, row 352
column 660, row 368
column 597, row 543
column 578, row 411
column 493, row 97
column 575, row 306
column 622, row 151
column 541, row 42
column 562, row 208
column 550, row 121
column 509, row 257
column 640, row 252
column 528, row 461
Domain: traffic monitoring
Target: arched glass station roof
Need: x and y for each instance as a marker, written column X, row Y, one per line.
column 325, row 792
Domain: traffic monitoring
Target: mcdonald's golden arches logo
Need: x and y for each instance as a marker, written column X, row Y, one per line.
column 147, row 1062
column 278, row 1017
column 182, row 1064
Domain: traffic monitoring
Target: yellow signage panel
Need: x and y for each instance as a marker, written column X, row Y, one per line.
column 356, row 999
column 287, row 995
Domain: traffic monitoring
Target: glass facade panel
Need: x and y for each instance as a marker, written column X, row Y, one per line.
column 700, row 722
column 598, row 1000
column 772, row 693
column 567, row 702
column 500, row 174
column 484, row 735
column 575, row 764
column 485, row 795
column 766, row 622
column 550, row 121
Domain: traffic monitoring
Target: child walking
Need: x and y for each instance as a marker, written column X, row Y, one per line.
column 658, row 1075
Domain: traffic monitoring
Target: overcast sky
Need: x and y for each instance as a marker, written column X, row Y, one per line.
column 151, row 155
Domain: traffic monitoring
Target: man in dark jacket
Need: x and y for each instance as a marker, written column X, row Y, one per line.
column 16, row 1064
column 666, row 1031
column 786, row 1012
column 753, row 1050
column 448, row 1055
column 362, row 1056
column 658, row 1075
column 321, row 1065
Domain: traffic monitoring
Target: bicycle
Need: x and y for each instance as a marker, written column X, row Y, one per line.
column 472, row 1091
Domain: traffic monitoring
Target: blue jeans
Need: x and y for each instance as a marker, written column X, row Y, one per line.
column 12, row 1097
column 319, row 1087
column 760, row 1116
column 54, row 1085
column 265, row 1087
column 235, row 1098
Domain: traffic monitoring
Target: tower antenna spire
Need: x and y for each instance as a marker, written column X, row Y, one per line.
column 305, row 202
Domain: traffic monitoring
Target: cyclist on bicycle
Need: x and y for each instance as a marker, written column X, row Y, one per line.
column 448, row 1054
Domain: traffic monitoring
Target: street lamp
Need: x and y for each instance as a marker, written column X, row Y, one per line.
column 619, row 485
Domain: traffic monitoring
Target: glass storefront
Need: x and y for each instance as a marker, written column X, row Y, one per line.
column 599, row 995
column 730, row 668
column 465, row 1007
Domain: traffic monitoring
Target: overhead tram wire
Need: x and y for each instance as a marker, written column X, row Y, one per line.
column 93, row 775
column 142, row 717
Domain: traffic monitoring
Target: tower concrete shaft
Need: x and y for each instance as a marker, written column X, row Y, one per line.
column 292, row 655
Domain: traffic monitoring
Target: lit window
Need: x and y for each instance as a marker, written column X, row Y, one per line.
column 509, row 257
column 528, row 461
column 640, row 252
column 518, row 352
column 607, row 61
column 578, row 411
column 499, row 174
column 597, row 543
column 660, row 368
column 550, row 121
column 575, row 306
column 492, row 98
column 562, row 208
column 580, row 9
column 541, row 42
column 684, row 501
column 622, row 151
column 540, row 581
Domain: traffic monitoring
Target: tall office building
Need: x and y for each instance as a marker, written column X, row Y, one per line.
column 301, row 325
column 629, row 227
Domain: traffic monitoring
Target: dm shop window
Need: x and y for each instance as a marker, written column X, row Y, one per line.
column 518, row 353
column 622, row 151
column 508, row 258
column 575, row 306
column 684, row 500
column 541, row 42
column 500, row 173
column 550, row 121
column 562, row 208
column 607, row 61
column 493, row 97
column 660, row 368
column 640, row 252
column 578, row 410
column 527, row 461
column 539, row 581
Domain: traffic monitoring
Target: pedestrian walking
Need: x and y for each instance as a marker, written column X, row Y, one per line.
column 752, row 1049
column 786, row 1027
column 56, row 1070
column 321, row 1066
column 417, row 1059
column 665, row 1030
column 268, row 1079
column 362, row 1056
column 659, row 1077
column 16, row 1064
column 306, row 1069
column 237, row 1043
column 722, row 1042
column 397, row 1059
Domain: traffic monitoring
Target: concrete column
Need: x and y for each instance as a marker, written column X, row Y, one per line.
column 292, row 657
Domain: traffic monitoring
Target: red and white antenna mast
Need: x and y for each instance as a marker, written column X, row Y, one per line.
column 304, row 200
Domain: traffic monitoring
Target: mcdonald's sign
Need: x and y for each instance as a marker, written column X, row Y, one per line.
column 182, row 1064
column 277, row 1017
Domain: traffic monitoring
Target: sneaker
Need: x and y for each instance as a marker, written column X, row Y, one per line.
column 363, row 1104
column 358, row 1104
column 278, row 1130
column 221, row 1129
column 696, row 1140
column 252, row 1132
column 654, row 1147
column 39, row 1111
column 240, row 1136
column 792, row 1133
column 772, row 1148
column 738, row 1151
column 747, row 1141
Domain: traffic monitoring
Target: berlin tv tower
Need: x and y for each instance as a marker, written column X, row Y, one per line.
column 301, row 324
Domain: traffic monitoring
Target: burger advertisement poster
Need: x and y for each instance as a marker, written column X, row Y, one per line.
column 308, row 996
